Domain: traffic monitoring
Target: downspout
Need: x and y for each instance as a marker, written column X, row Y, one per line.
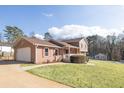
column 69, row 53
column 35, row 54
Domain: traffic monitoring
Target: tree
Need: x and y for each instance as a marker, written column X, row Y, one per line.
column 32, row 34
column 120, row 44
column 0, row 37
column 96, row 45
column 111, row 45
column 47, row 36
column 12, row 33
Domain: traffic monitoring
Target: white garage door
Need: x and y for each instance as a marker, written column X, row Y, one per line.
column 23, row 54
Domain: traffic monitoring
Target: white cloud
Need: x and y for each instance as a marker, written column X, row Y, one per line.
column 122, row 6
column 73, row 31
column 47, row 14
column 39, row 36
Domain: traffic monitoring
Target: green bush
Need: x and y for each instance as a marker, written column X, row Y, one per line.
column 79, row 59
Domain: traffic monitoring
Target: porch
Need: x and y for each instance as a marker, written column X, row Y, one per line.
column 69, row 51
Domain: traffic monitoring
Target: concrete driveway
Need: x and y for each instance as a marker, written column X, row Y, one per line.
column 12, row 76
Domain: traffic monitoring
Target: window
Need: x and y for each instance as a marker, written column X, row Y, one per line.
column 81, row 45
column 56, row 52
column 46, row 51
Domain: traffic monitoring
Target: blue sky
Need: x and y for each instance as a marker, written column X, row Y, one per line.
column 41, row 18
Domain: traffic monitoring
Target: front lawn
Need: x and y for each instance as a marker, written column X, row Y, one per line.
column 101, row 74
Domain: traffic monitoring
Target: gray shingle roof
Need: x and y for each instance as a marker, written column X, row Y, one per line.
column 72, row 40
column 37, row 41
column 61, row 43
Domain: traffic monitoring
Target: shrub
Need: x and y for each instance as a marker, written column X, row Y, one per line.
column 79, row 59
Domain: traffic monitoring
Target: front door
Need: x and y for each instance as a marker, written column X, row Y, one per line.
column 66, row 51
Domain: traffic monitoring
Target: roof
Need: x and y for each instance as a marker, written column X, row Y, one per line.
column 75, row 40
column 72, row 40
column 67, row 45
column 100, row 54
column 39, row 42
column 62, row 44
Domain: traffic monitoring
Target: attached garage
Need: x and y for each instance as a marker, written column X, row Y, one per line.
column 24, row 51
column 24, row 54
column 29, row 49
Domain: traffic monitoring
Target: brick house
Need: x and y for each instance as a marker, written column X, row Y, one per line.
column 45, row 51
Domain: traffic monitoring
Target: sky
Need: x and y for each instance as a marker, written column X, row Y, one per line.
column 64, row 21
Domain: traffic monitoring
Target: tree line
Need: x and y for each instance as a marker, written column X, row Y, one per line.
column 111, row 45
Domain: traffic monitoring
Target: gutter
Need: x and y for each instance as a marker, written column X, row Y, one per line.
column 46, row 45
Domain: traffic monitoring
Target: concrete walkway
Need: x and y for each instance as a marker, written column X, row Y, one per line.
column 42, row 65
column 12, row 76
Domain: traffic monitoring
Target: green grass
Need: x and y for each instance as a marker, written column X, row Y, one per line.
column 102, row 74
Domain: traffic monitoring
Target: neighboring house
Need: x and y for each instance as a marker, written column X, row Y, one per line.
column 44, row 51
column 101, row 56
column 6, row 49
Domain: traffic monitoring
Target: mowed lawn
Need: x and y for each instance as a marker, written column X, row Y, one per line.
column 103, row 74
